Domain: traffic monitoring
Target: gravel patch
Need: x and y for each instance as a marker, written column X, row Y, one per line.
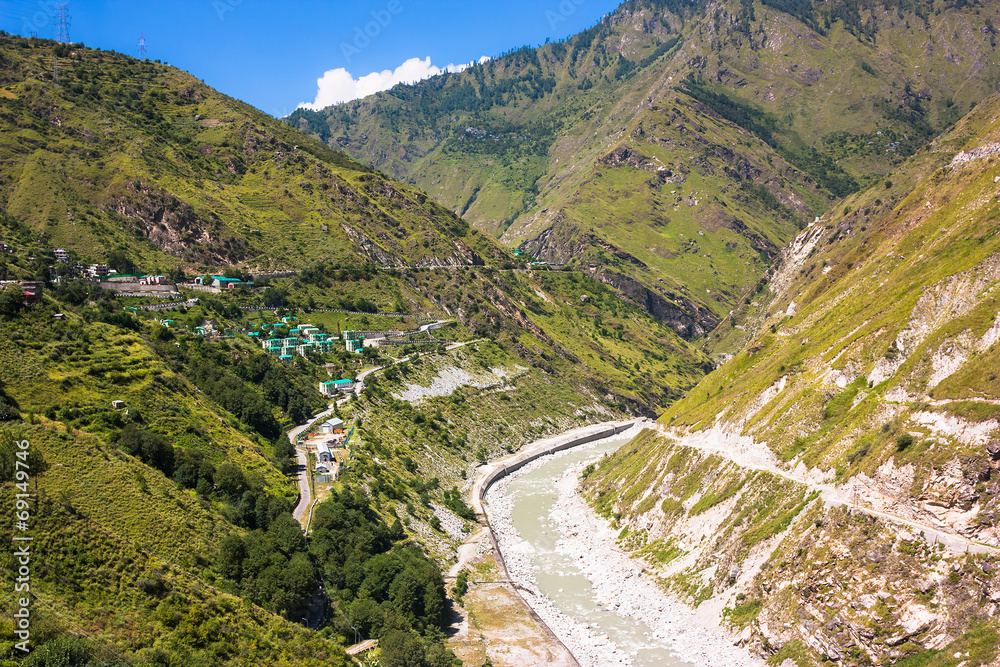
column 618, row 582
column 451, row 523
column 451, row 378
column 587, row 646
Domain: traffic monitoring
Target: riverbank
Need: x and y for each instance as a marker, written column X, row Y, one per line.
column 588, row 647
column 616, row 580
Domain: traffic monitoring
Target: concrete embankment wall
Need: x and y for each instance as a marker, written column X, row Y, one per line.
column 519, row 463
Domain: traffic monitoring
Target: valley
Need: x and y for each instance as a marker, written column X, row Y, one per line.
column 273, row 373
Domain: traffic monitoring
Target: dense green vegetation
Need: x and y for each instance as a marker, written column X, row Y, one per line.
column 766, row 126
column 160, row 465
column 384, row 590
column 190, row 477
column 167, row 135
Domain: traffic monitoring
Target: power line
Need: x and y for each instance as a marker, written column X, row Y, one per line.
column 62, row 23
column 62, row 36
column 142, row 46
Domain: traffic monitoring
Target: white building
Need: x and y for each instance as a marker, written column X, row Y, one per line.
column 334, row 425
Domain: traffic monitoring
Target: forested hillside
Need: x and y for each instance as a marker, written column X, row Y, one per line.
column 673, row 148
column 161, row 475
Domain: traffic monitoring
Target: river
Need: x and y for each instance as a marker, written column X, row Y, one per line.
column 536, row 555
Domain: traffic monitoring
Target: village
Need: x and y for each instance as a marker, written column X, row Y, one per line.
column 323, row 442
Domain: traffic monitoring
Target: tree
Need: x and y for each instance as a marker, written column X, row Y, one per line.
column 11, row 302
column 63, row 651
column 229, row 481
column 365, row 615
column 286, row 533
column 275, row 297
column 149, row 447
column 232, row 553
column 120, row 261
column 246, row 511
column 73, row 292
column 401, row 649
column 300, row 576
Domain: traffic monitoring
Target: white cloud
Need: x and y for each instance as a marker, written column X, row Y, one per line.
column 338, row 85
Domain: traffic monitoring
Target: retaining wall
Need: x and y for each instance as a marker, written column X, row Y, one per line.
column 519, row 463
column 508, row 468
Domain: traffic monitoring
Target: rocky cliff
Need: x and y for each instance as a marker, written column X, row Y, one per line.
column 831, row 489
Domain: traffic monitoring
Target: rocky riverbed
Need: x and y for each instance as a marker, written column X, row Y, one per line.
column 590, row 648
column 616, row 580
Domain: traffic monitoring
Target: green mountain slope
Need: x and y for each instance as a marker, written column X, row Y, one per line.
column 870, row 382
column 129, row 155
column 828, row 96
column 165, row 519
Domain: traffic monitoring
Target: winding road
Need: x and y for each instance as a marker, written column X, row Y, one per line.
column 301, row 511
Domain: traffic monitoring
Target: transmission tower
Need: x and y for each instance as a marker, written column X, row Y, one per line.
column 142, row 47
column 62, row 23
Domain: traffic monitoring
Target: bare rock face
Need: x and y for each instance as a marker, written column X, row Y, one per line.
column 993, row 448
column 623, row 155
column 562, row 244
column 677, row 312
column 175, row 227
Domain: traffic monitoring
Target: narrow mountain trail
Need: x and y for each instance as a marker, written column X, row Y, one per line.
column 747, row 453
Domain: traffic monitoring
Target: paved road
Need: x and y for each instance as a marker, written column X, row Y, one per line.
column 305, row 494
column 302, row 458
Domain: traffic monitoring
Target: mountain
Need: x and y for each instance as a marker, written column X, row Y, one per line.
column 849, row 434
column 672, row 149
column 141, row 158
column 831, row 490
column 161, row 479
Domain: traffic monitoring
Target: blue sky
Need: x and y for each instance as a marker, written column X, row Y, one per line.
column 271, row 53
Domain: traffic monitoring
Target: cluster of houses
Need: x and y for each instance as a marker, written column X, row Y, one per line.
column 97, row 271
column 306, row 338
column 334, row 387
column 30, row 289
column 221, row 282
column 90, row 271
column 353, row 341
column 301, row 341
column 332, row 453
